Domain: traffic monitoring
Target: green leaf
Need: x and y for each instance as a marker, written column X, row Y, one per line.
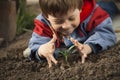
column 70, row 48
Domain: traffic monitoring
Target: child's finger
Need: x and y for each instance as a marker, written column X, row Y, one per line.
column 77, row 44
column 49, row 62
column 83, row 57
column 55, row 36
column 53, row 59
column 72, row 40
column 53, row 40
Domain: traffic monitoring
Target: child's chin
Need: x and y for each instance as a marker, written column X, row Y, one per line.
column 66, row 34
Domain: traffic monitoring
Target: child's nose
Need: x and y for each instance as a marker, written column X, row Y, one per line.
column 66, row 24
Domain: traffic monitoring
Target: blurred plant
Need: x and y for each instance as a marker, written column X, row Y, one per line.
column 24, row 18
column 66, row 53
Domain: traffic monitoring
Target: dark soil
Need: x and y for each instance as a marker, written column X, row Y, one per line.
column 101, row 66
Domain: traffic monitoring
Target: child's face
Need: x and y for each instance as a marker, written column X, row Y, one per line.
column 65, row 24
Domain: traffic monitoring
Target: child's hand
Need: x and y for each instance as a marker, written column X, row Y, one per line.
column 47, row 51
column 84, row 49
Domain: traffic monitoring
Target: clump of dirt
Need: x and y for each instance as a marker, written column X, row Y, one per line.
column 101, row 66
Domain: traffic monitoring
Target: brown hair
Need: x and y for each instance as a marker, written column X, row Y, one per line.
column 58, row 7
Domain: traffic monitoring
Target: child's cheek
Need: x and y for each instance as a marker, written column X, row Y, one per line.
column 56, row 27
column 76, row 23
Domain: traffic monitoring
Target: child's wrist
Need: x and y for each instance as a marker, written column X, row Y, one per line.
column 95, row 47
column 40, row 55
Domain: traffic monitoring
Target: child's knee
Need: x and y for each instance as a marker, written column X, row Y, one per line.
column 27, row 52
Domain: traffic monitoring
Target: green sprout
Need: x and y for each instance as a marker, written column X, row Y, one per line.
column 65, row 53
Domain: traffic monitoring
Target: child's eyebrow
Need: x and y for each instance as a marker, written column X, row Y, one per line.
column 72, row 16
column 58, row 19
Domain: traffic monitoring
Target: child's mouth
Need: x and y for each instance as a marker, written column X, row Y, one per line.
column 62, row 34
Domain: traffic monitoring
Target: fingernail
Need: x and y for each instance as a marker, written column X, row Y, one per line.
column 56, row 62
column 82, row 62
column 50, row 66
column 71, row 38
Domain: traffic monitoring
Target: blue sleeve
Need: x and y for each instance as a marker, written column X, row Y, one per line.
column 103, row 35
column 35, row 42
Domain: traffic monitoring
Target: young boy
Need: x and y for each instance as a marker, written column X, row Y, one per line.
column 89, row 27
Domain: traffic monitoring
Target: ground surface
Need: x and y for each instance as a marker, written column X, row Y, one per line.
column 13, row 66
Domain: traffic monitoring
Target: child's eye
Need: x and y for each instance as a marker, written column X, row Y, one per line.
column 71, row 19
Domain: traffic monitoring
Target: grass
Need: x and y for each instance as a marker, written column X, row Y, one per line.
column 24, row 18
